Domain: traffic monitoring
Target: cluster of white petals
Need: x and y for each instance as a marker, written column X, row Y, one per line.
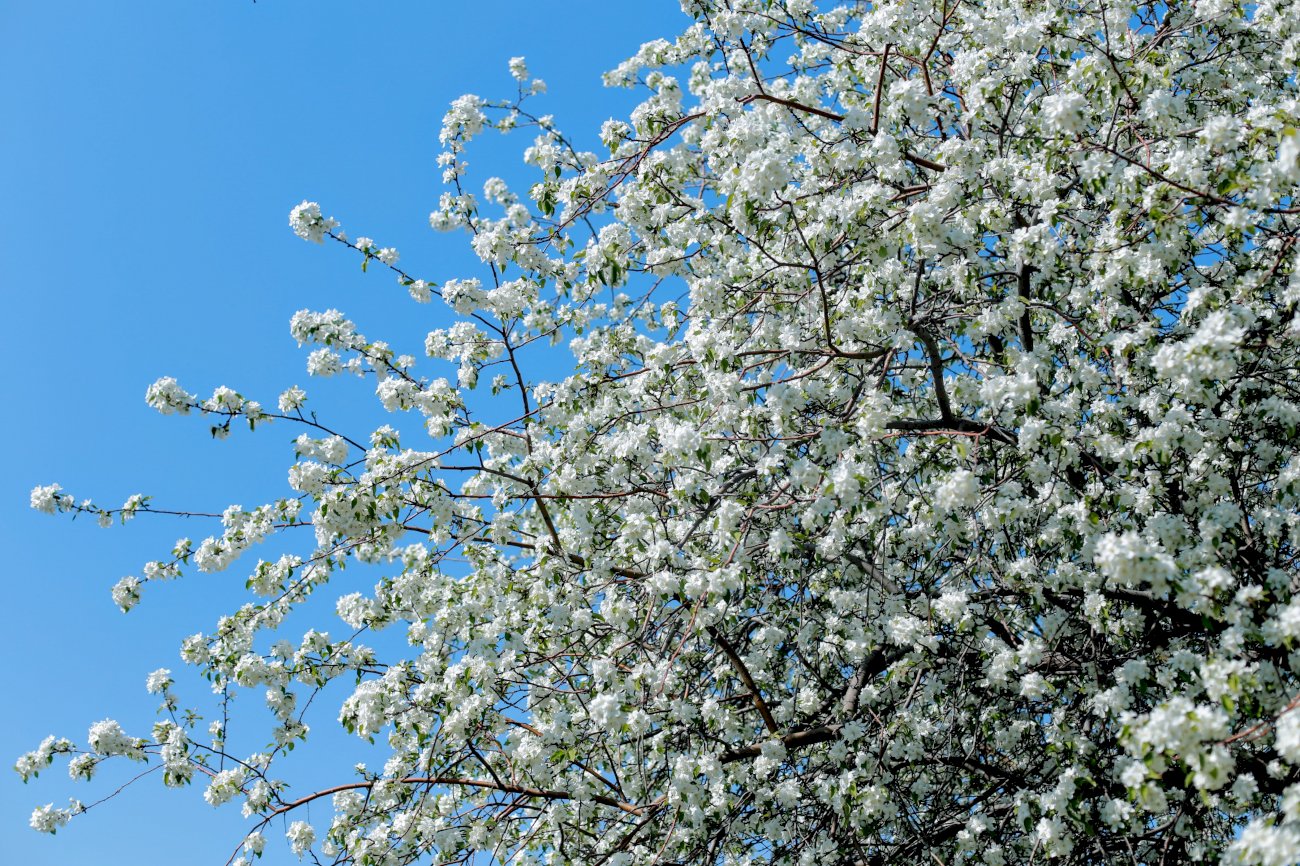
column 308, row 224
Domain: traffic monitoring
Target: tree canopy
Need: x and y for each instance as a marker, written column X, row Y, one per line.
column 924, row 488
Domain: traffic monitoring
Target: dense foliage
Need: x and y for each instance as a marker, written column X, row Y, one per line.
column 924, row 491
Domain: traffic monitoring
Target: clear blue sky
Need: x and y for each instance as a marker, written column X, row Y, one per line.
column 149, row 155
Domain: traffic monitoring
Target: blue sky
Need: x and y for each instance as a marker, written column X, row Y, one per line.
column 149, row 156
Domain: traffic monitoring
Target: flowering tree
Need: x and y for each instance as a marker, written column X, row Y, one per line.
column 924, row 490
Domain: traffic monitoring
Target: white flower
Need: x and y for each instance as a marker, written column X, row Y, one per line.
column 223, row 787
column 1288, row 156
column 47, row 819
column 788, row 793
column 301, row 835
column 1261, row 844
column 168, row 397
column 292, row 399
column 1133, row 775
column 333, row 449
column 48, row 499
column 1054, row 837
column 952, row 605
column 1286, row 735
column 107, row 738
column 959, row 490
column 1131, row 560
column 909, row 99
column 309, row 476
column 31, row 763
column 324, row 362
column 83, row 767
column 465, row 120
column 307, row 223
column 1213, row 768
column 158, row 681
column 1116, row 813
column 420, row 291
column 1064, row 112
column 606, row 710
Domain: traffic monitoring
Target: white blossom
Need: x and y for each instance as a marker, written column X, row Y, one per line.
column 307, row 223
column 107, row 738
column 301, row 836
column 48, row 499
column 1064, row 112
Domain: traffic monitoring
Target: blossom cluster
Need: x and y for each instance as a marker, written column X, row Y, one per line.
column 924, row 486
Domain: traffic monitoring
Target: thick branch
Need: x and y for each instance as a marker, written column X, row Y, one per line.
column 743, row 672
column 798, row 739
column 487, row 784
